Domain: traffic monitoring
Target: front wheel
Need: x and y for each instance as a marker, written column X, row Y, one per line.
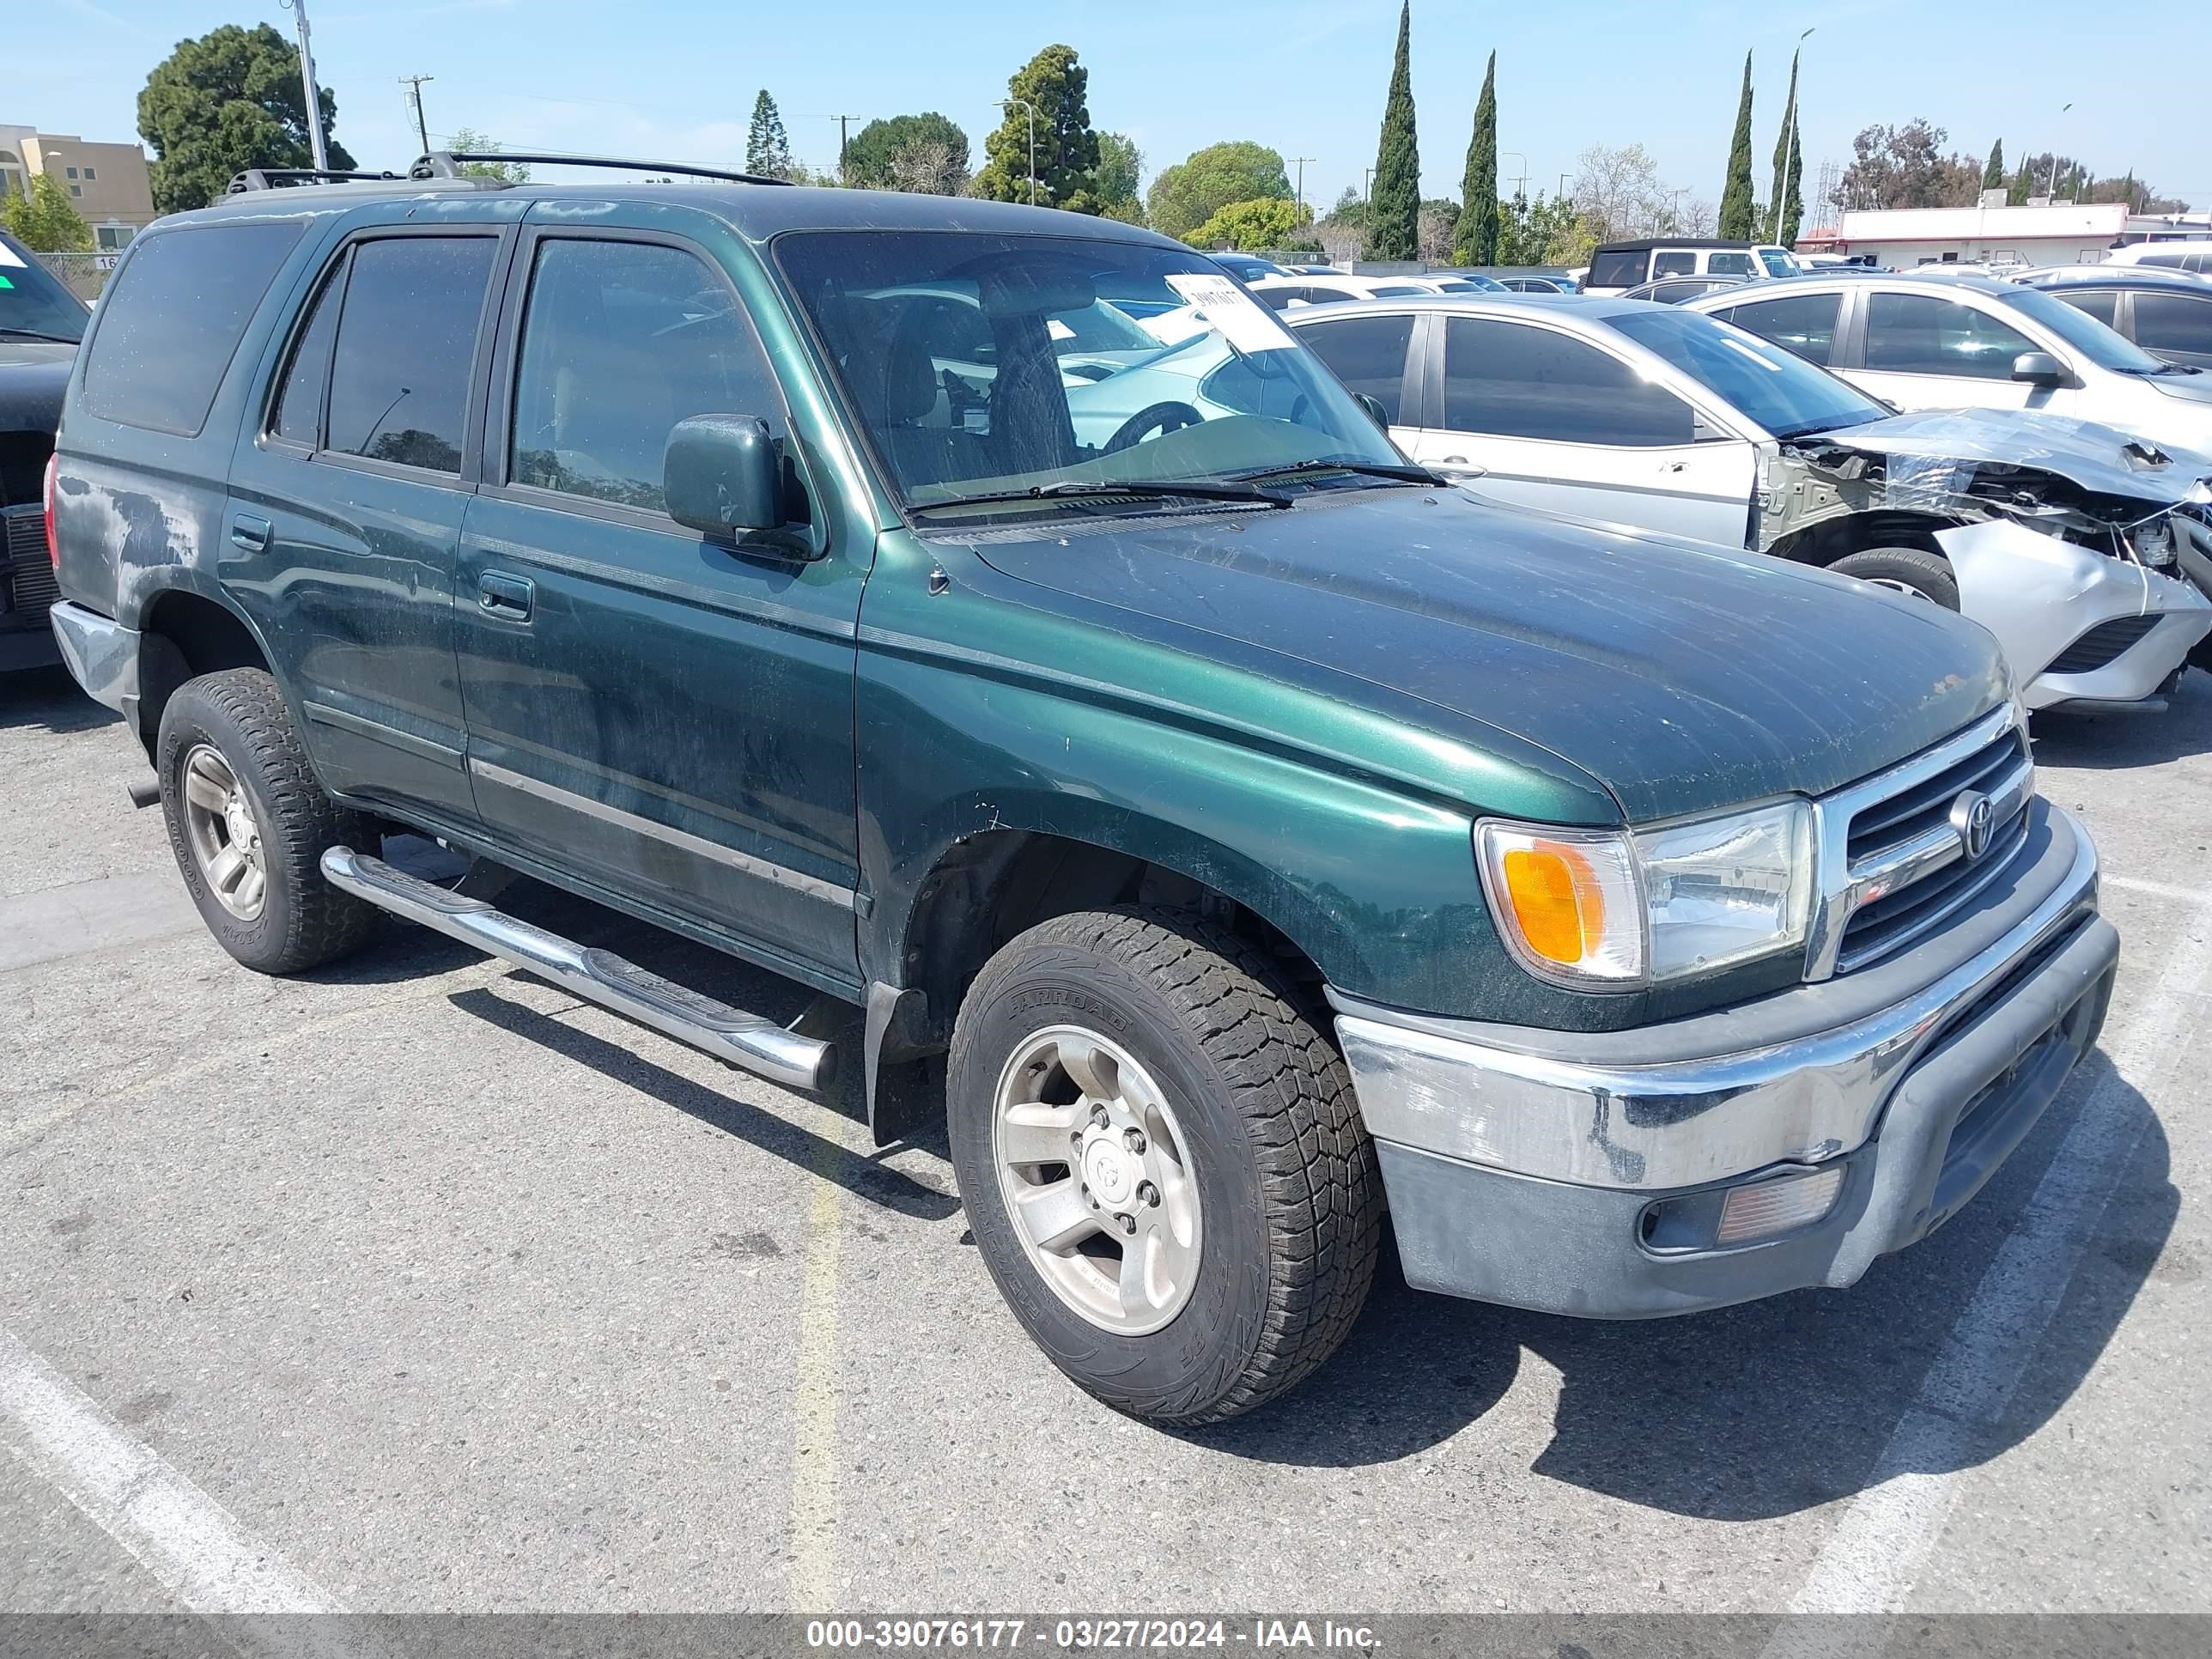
column 1913, row 571
column 1162, row 1163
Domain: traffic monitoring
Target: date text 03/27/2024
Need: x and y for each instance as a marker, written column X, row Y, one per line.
column 1087, row 1635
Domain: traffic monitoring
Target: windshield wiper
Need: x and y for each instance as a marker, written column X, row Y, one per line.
column 1419, row 475
column 1077, row 487
column 35, row 334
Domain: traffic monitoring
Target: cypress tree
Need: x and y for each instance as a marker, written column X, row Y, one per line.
column 1475, row 242
column 1787, row 200
column 1993, row 175
column 1738, row 209
column 1393, row 208
column 2023, row 184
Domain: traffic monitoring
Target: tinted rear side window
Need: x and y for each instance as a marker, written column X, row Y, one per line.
column 1802, row 322
column 406, row 340
column 299, row 403
column 2102, row 303
column 173, row 317
column 2173, row 322
column 1617, row 269
column 1518, row 381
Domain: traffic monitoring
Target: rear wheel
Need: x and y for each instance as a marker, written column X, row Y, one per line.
column 249, row 826
column 1162, row 1163
column 1913, row 571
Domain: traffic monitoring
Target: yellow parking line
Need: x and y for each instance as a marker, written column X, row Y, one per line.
column 814, row 1450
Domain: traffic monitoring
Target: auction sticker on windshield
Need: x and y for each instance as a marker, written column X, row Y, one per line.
column 1243, row 321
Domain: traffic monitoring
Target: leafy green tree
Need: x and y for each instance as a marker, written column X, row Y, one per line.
column 768, row 148
column 2023, row 187
column 1993, row 174
column 868, row 156
column 1548, row 231
column 1476, row 240
column 468, row 138
column 45, row 220
column 1185, row 195
column 1788, row 173
column 1056, row 86
column 225, row 102
column 1393, row 209
column 1121, row 165
column 1736, row 204
column 1265, row 221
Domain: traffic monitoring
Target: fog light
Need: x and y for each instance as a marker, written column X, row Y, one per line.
column 1775, row 1206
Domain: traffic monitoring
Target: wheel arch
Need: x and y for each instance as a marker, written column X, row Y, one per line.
column 185, row 631
column 1823, row 544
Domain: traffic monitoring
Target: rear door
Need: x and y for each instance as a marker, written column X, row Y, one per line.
column 347, row 494
column 1555, row 423
column 667, row 716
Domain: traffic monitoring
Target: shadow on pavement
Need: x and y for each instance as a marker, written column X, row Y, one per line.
column 2101, row 743
column 48, row 697
column 1745, row 1413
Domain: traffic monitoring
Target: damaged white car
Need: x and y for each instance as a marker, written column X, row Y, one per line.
column 2087, row 553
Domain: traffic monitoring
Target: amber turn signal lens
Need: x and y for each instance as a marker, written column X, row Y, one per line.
column 1557, row 901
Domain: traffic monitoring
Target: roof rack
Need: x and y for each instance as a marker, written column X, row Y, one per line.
column 446, row 164
column 285, row 178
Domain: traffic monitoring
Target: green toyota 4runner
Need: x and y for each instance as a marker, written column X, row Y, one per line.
column 993, row 618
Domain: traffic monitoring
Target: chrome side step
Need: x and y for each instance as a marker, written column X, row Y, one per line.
column 747, row 1040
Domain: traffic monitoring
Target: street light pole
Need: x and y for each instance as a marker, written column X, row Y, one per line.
column 1301, row 161
column 307, row 85
column 1025, row 104
column 1789, row 138
column 2051, row 190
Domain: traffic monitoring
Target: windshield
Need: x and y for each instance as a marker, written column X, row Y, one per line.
column 1782, row 393
column 2099, row 344
column 985, row 364
column 33, row 302
column 1779, row 263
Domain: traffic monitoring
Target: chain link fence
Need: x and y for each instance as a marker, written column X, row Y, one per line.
column 83, row 274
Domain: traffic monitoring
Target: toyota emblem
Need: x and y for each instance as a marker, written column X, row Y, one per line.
column 1975, row 819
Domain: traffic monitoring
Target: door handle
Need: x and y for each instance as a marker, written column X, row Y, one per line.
column 508, row 597
column 249, row 533
column 1673, row 466
column 1456, row 466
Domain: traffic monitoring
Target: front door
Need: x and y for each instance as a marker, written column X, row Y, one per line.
column 1931, row 351
column 666, row 715
column 346, row 501
column 1554, row 422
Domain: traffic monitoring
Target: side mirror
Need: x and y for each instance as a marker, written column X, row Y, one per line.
column 2038, row 368
column 722, row 475
column 1373, row 405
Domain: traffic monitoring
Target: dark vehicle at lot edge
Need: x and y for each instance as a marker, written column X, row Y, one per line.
column 41, row 324
column 1221, row 825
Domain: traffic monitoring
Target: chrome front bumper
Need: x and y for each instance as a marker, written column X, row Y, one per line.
column 1526, row 1166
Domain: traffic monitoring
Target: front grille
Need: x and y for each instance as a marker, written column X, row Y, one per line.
column 1913, row 823
column 2102, row 645
column 27, row 575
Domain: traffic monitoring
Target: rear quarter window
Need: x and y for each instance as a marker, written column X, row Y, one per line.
column 173, row 317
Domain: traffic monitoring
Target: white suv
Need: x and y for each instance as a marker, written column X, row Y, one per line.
column 1972, row 342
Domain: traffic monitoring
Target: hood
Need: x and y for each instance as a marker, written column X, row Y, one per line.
column 2096, row 457
column 1684, row 679
column 34, row 375
column 2189, row 388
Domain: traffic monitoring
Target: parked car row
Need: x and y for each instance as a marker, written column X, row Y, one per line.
column 1001, row 621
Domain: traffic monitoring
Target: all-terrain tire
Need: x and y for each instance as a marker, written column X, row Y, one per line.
column 1291, row 1198
column 1927, row 575
column 303, row 921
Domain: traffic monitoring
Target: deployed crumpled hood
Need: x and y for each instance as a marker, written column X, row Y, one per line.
column 34, row 375
column 2088, row 453
column 1683, row 678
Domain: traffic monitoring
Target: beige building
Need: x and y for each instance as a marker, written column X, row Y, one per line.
column 106, row 183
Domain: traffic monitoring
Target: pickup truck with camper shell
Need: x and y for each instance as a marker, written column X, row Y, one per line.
column 1229, row 832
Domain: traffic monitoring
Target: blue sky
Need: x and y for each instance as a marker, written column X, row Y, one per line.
column 677, row 78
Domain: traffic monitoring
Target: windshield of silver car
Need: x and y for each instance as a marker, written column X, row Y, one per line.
column 990, row 365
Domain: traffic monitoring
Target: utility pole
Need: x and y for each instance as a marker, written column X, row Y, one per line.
column 1520, row 178
column 1301, row 161
column 1789, row 138
column 307, row 85
column 1025, row 104
column 842, row 145
column 1563, row 184
column 1366, row 177
column 414, row 85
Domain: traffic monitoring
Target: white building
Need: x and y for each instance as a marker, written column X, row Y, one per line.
column 2061, row 232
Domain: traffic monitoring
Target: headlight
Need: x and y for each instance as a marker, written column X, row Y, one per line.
column 1618, row 909
column 2154, row 542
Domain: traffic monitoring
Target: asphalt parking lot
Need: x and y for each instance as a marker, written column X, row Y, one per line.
column 413, row 1285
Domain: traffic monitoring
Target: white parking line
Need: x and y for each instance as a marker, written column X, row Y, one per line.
column 195, row 1547
column 2165, row 890
column 1870, row 1560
